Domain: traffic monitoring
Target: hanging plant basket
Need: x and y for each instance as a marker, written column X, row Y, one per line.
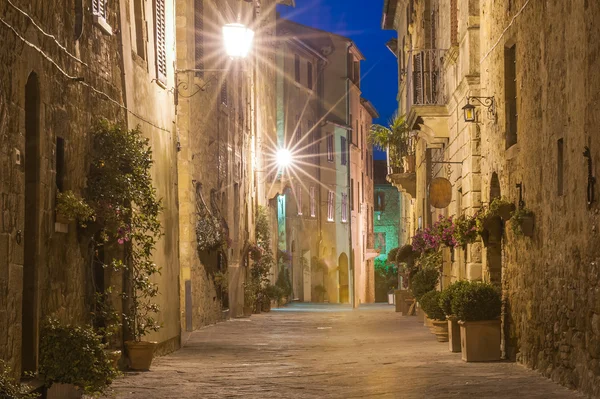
column 210, row 233
column 523, row 223
column 505, row 211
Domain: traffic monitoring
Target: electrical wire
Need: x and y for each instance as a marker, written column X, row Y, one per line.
column 504, row 32
column 77, row 79
column 46, row 34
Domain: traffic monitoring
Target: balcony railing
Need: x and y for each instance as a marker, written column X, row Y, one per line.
column 424, row 78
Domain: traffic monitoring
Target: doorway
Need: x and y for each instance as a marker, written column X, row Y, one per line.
column 344, row 282
column 31, row 232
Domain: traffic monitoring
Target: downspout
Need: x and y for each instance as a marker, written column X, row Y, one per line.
column 348, row 133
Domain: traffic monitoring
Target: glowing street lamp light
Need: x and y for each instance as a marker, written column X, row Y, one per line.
column 283, row 158
column 238, row 40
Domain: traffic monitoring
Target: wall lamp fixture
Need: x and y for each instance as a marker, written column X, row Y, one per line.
column 469, row 109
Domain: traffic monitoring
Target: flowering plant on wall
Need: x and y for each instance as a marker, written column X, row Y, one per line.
column 425, row 240
column 444, row 229
column 465, row 229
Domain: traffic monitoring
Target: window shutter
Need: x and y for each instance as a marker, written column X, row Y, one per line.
column 161, row 41
column 299, row 198
column 418, row 79
column 453, row 22
column 99, row 8
column 313, row 208
column 343, row 154
column 224, row 97
column 297, row 67
column 309, row 82
column 199, row 36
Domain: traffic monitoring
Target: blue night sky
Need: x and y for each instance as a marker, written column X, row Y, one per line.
column 359, row 20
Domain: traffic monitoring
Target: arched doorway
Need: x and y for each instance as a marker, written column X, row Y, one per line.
column 343, row 278
column 29, row 322
column 494, row 247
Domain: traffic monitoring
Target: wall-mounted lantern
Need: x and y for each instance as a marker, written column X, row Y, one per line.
column 469, row 109
column 238, row 40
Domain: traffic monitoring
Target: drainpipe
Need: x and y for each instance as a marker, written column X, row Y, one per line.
column 348, row 133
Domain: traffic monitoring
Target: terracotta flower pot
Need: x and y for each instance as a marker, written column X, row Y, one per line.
column 140, row 354
column 527, row 225
column 114, row 356
column 440, row 329
column 505, row 211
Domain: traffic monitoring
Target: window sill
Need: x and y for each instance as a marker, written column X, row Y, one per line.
column 512, row 151
column 102, row 24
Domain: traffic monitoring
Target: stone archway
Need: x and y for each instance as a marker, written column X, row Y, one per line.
column 29, row 307
column 343, row 279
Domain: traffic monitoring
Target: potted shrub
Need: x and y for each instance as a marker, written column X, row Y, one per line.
column 445, row 302
column 73, row 357
column 70, row 207
column 10, row 388
column 430, row 303
column 421, row 283
column 522, row 223
column 478, row 306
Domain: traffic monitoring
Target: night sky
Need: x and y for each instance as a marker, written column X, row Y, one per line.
column 359, row 20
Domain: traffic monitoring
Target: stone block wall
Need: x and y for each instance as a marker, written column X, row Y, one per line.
column 551, row 281
column 61, row 284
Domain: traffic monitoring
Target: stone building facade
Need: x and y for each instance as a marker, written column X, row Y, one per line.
column 537, row 61
column 63, row 67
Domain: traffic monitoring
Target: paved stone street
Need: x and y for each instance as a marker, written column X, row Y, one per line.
column 328, row 351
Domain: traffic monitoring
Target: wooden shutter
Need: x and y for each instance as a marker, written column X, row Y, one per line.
column 309, row 68
column 297, row 67
column 417, row 79
column 453, row 22
column 224, row 94
column 199, row 36
column 161, row 41
column 99, row 8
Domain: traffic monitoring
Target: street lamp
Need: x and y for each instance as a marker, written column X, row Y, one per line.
column 283, row 157
column 238, row 40
column 469, row 111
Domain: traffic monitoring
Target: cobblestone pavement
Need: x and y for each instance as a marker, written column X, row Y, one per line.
column 327, row 351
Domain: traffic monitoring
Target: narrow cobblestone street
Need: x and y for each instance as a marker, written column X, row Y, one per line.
column 327, row 351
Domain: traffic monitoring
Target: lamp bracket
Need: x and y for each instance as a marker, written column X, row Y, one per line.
column 487, row 102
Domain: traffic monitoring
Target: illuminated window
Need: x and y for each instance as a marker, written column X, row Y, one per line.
column 330, row 206
column 344, row 207
column 313, row 202
column 330, row 148
column 299, row 198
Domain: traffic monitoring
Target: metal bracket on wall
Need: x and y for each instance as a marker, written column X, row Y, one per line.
column 521, row 202
column 591, row 179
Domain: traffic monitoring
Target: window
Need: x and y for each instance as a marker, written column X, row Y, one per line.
column 380, row 242
column 224, row 94
column 313, row 202
column 330, row 148
column 299, row 198
column 140, row 23
column 330, row 205
column 343, row 150
column 298, row 129
column 60, row 163
column 297, row 67
column 454, row 22
column 344, row 209
column 510, row 94
column 309, row 75
column 351, row 194
column 560, row 166
column 379, row 201
column 100, row 14
column 199, row 36
column 160, row 41
column 362, row 193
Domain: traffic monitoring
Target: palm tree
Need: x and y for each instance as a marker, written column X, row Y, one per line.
column 394, row 138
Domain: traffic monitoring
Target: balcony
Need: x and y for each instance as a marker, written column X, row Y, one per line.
column 426, row 97
column 401, row 172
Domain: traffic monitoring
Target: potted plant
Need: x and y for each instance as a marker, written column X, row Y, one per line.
column 478, row 306
column 465, row 230
column 502, row 207
column 439, row 325
column 445, row 302
column 10, row 388
column 249, row 298
column 421, row 283
column 73, row 357
column 121, row 192
column 395, row 138
column 522, row 222
column 70, row 207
